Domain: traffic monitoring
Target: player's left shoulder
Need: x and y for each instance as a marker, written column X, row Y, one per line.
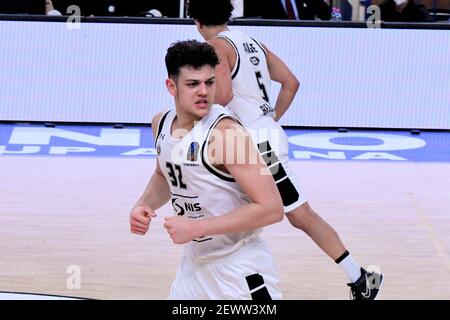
column 228, row 123
column 221, row 45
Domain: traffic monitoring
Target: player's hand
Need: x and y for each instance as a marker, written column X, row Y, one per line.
column 181, row 229
column 140, row 218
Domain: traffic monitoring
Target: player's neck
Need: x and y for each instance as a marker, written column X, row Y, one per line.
column 213, row 31
column 184, row 121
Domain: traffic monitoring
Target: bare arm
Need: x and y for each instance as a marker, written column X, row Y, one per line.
column 253, row 177
column 227, row 58
column 157, row 192
column 155, row 195
column 280, row 73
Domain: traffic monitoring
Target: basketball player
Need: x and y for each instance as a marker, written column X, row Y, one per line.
column 243, row 82
column 221, row 202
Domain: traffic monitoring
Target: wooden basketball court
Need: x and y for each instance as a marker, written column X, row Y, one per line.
column 58, row 212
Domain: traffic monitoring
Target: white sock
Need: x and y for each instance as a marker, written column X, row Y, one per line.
column 351, row 268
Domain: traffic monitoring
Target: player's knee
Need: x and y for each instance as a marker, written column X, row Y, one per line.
column 303, row 217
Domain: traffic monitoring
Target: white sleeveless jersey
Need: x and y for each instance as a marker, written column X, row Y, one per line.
column 199, row 190
column 250, row 77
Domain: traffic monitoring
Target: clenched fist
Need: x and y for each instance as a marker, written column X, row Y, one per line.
column 181, row 229
column 140, row 218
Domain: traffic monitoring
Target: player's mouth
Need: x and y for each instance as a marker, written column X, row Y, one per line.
column 202, row 104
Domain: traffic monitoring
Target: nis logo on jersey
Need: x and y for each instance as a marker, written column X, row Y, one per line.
column 187, row 206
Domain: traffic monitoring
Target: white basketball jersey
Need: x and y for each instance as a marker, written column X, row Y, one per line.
column 251, row 78
column 199, row 190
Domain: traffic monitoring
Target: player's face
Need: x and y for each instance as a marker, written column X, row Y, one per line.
column 194, row 90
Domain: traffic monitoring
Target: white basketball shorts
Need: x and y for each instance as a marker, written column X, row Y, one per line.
column 273, row 144
column 248, row 273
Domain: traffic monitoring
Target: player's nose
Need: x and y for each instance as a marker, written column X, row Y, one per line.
column 202, row 89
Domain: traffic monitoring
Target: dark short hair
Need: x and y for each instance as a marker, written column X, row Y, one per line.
column 190, row 53
column 210, row 12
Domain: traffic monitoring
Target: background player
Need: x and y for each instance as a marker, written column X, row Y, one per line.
column 243, row 82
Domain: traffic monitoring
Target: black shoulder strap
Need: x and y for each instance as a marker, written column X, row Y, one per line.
column 259, row 45
column 222, row 175
column 238, row 57
column 160, row 125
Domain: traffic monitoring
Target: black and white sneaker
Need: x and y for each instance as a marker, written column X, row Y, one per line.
column 367, row 286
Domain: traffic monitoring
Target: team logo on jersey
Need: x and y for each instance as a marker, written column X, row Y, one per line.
column 158, row 149
column 187, row 205
column 177, row 207
column 192, row 153
column 254, row 60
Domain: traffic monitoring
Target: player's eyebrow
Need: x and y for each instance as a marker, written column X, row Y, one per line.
column 197, row 80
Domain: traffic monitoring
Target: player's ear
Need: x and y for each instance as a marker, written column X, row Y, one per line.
column 171, row 87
